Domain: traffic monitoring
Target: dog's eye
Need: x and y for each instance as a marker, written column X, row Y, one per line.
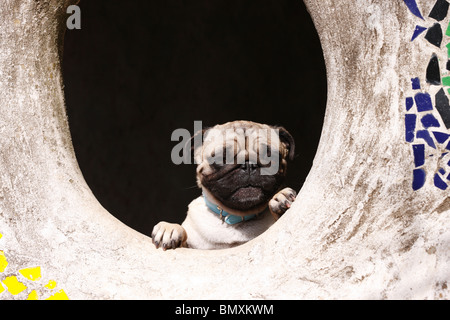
column 265, row 150
column 269, row 151
column 229, row 155
column 267, row 155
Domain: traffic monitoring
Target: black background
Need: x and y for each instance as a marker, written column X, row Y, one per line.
column 138, row 70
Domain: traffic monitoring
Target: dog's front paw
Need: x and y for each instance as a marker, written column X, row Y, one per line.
column 282, row 201
column 169, row 235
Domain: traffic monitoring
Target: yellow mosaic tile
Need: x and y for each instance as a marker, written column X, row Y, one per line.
column 14, row 286
column 60, row 295
column 3, row 262
column 33, row 274
column 33, row 295
column 51, row 284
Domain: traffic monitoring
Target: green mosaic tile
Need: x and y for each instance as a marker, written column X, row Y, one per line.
column 446, row 81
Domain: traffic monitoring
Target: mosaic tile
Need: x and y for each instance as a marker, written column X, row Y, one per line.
column 423, row 102
column 409, row 103
column 415, row 83
column 425, row 135
column 410, row 127
column 441, row 137
column 439, row 11
column 421, row 135
column 412, row 6
column 417, row 32
column 419, row 154
column 430, row 121
column 433, row 74
column 438, row 182
column 443, row 106
column 434, row 35
column 419, row 176
column 446, row 81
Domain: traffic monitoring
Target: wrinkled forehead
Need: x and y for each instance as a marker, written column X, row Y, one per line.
column 240, row 138
column 241, row 134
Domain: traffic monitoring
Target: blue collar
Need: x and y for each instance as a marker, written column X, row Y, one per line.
column 225, row 216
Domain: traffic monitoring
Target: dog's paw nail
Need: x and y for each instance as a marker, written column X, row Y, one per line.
column 168, row 236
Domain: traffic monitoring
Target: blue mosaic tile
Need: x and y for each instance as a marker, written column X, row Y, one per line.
column 415, row 83
column 429, row 121
column 443, row 106
column 440, row 136
column 425, row 135
column 434, row 35
column 420, row 134
column 439, row 11
column 438, row 182
column 409, row 103
column 410, row 127
column 412, row 6
column 417, row 32
column 423, row 102
column 419, row 154
column 433, row 74
column 419, row 176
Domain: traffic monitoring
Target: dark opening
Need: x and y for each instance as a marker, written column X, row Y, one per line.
column 138, row 70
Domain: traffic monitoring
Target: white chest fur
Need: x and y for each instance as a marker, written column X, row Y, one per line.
column 206, row 230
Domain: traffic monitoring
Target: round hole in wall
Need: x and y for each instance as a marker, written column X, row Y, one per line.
column 136, row 71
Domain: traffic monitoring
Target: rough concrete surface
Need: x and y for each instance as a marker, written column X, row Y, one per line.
column 357, row 229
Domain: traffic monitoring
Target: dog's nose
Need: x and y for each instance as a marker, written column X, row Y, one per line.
column 247, row 166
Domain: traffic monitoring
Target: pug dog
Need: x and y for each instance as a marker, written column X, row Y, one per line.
column 241, row 168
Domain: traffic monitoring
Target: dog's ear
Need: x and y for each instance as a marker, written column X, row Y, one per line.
column 287, row 139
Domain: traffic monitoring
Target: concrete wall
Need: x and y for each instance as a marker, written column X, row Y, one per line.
column 357, row 230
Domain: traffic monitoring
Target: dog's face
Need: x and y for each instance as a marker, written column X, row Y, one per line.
column 242, row 164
